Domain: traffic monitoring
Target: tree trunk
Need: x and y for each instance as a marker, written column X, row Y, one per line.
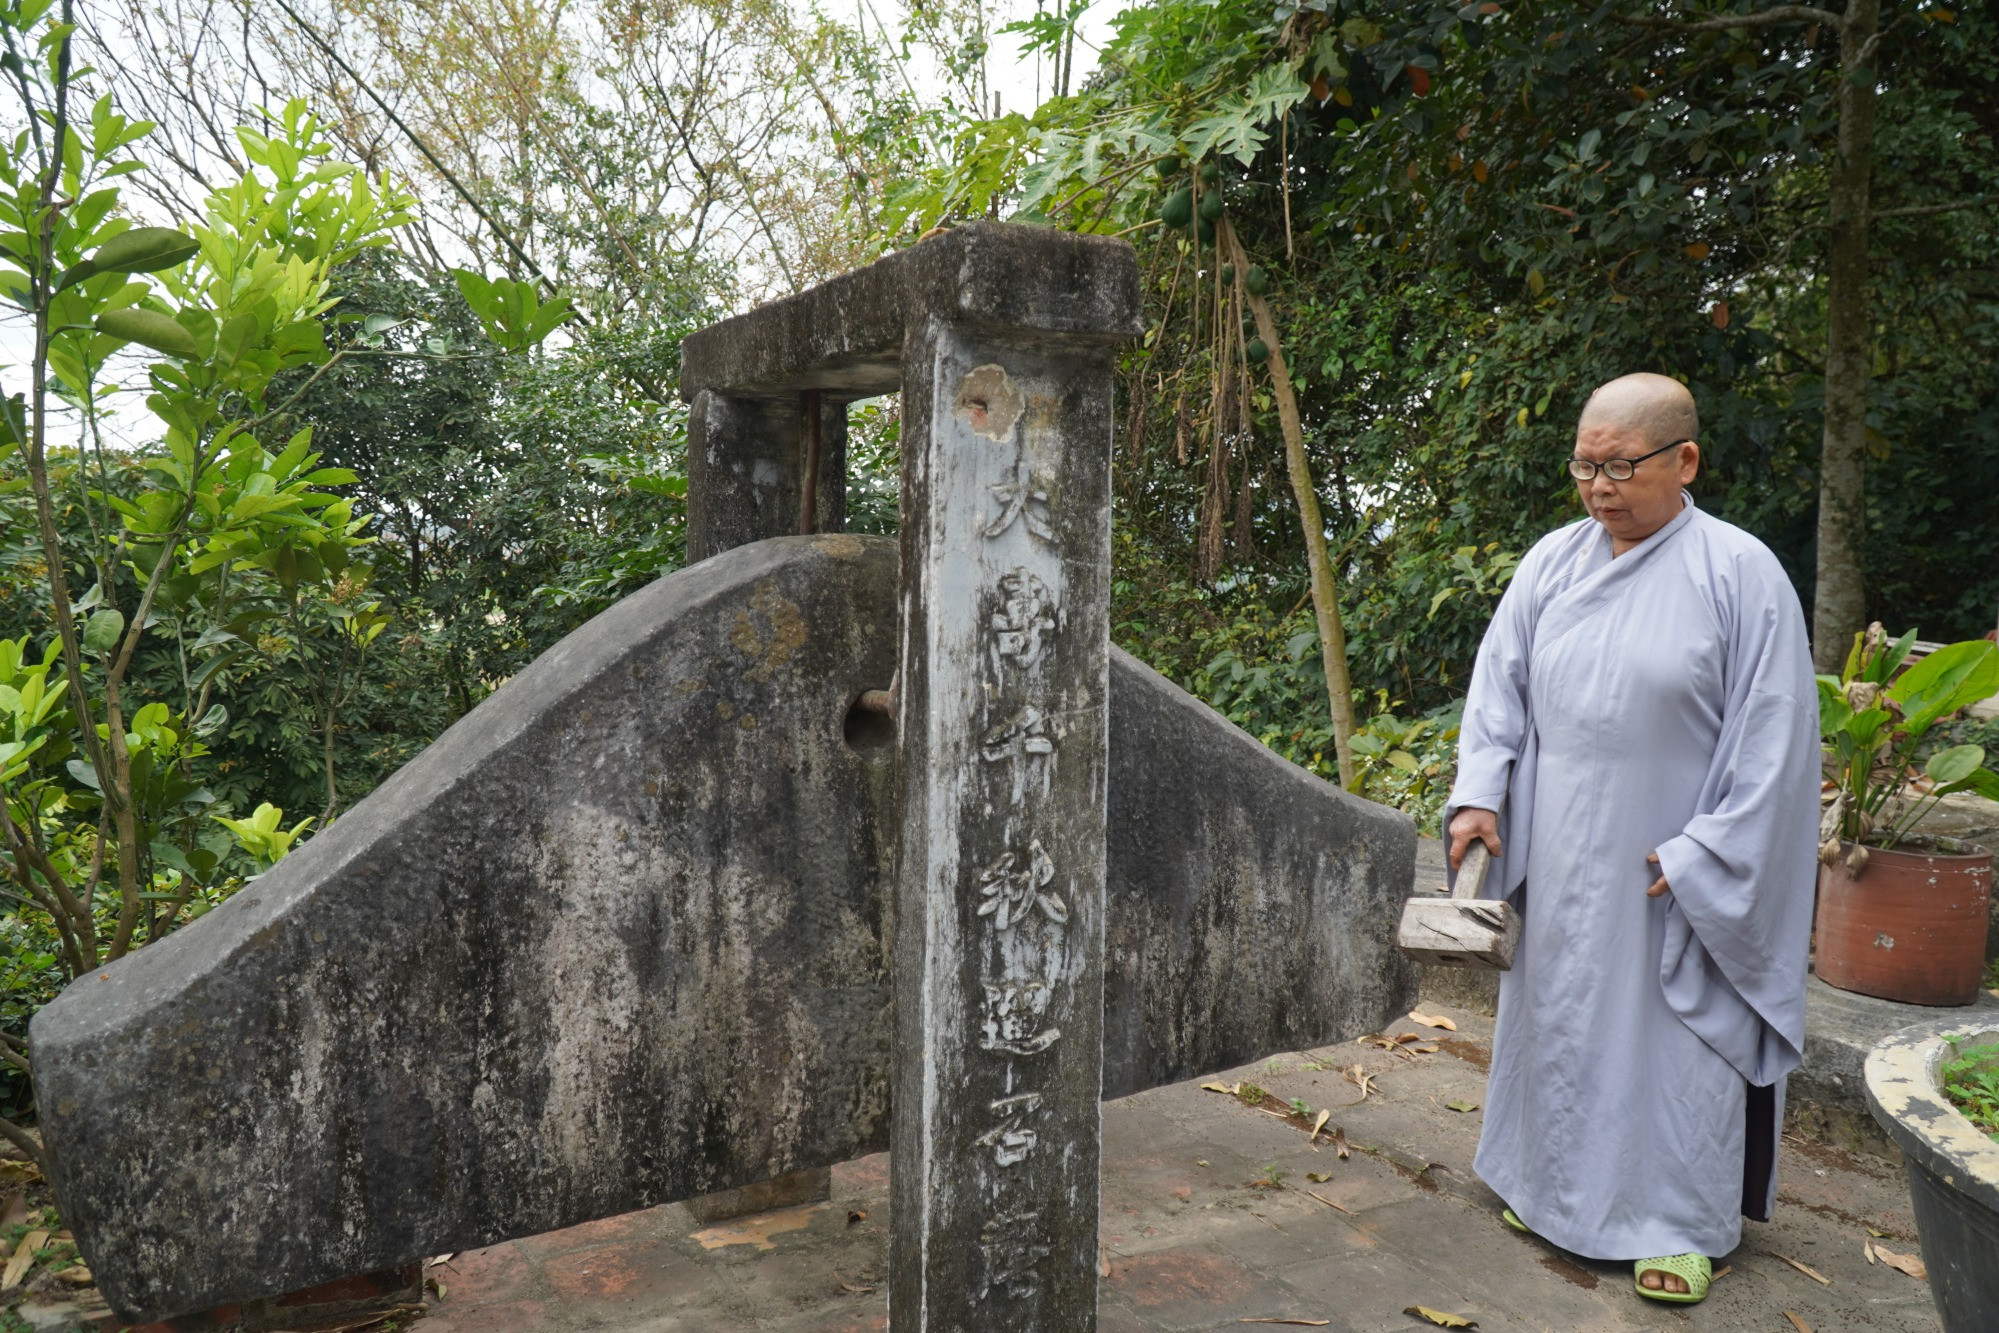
column 1839, row 608
column 1325, row 592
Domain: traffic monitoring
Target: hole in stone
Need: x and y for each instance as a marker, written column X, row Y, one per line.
column 868, row 731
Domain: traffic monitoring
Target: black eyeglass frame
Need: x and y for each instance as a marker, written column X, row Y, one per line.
column 1608, row 466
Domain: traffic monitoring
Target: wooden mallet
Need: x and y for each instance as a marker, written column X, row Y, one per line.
column 1462, row 930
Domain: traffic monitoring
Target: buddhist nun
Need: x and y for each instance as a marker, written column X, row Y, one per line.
column 1639, row 754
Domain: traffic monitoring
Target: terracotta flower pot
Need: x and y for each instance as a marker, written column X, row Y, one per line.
column 1910, row 926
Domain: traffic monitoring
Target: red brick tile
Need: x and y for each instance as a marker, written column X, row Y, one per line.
column 496, row 1273
column 864, row 1175
column 617, row 1273
column 1182, row 1277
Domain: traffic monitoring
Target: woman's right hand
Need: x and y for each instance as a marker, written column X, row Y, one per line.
column 1470, row 823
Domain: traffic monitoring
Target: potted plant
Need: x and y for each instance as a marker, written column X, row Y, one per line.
column 1932, row 1088
column 1901, row 915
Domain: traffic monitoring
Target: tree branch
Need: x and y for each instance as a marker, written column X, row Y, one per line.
column 27, row 1143
column 1930, row 210
column 1767, row 18
column 16, row 1054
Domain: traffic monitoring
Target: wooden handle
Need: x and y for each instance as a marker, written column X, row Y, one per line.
column 1471, row 874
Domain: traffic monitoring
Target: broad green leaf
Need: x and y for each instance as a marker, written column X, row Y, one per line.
column 101, row 632
column 1945, row 681
column 140, row 250
column 149, row 328
column 1955, row 764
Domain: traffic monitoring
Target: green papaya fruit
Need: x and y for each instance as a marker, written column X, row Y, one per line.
column 1256, row 351
column 1205, row 230
column 1211, row 171
column 1257, row 281
column 1228, row 275
column 1211, row 206
column 1178, row 210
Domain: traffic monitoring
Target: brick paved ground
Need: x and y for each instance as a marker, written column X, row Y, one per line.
column 1197, row 1237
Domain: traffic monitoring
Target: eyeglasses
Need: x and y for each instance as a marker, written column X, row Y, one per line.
column 1617, row 469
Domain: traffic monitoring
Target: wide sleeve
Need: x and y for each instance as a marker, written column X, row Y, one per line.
column 1497, row 724
column 1742, row 873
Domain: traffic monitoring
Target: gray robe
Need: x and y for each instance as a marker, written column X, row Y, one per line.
column 1660, row 701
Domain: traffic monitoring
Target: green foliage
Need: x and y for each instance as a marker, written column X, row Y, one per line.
column 1875, row 723
column 213, row 541
column 1467, row 217
column 1410, row 764
column 511, row 313
column 263, row 834
column 1970, row 1077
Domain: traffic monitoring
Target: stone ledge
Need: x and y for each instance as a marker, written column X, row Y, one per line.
column 846, row 335
column 1842, row 1027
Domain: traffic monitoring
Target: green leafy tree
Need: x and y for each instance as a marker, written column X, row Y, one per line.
column 101, row 812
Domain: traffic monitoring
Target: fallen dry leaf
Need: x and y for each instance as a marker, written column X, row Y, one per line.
column 1439, row 1318
column 1308, row 1323
column 1906, row 1263
column 1318, row 1125
column 24, row 1258
column 1432, row 1021
column 1229, row 1088
column 854, row 1288
column 1360, row 1078
column 1806, row 1269
column 1796, row 1322
column 435, row 1287
column 1459, row 1104
column 15, row 1209
column 438, row 1260
column 1317, row 1177
column 1867, row 1250
column 1876, row 1232
column 857, row 1216
column 76, row 1275
column 1721, row 1272
column 1340, row 1144
column 1427, row 1048
column 1329, row 1203
column 1103, row 1262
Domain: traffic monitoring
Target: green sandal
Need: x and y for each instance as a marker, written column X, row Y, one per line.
column 1693, row 1269
column 1512, row 1219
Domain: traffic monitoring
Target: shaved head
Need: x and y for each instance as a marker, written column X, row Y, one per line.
column 1655, row 407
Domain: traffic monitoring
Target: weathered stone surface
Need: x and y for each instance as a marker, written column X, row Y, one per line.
column 745, row 464
column 847, row 335
column 1252, row 906
column 471, row 1010
column 615, row 939
column 1001, row 774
